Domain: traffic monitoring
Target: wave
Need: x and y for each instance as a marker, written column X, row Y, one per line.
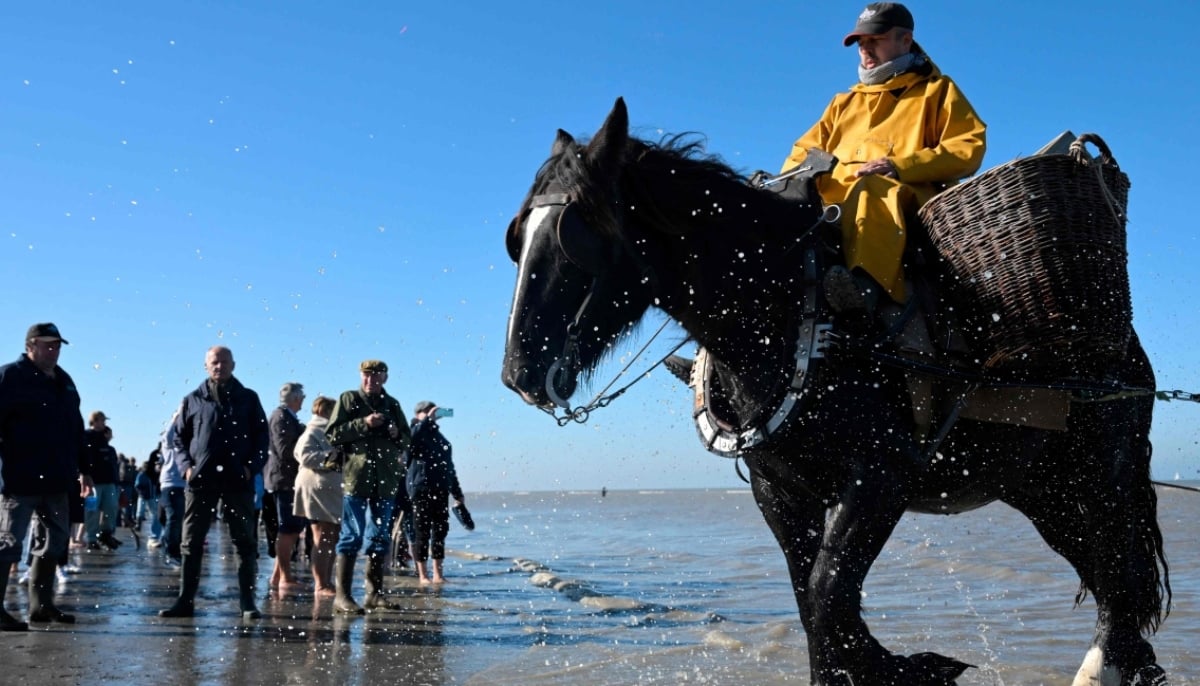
column 586, row 595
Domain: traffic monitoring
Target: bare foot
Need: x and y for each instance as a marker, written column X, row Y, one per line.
column 289, row 584
column 325, row 592
column 439, row 579
column 424, row 581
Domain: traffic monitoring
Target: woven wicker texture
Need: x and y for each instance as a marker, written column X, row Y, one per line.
column 1035, row 251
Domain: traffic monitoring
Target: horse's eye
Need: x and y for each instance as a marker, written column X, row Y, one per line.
column 581, row 245
column 512, row 239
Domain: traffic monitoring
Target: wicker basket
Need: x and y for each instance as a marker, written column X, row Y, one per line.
column 1036, row 262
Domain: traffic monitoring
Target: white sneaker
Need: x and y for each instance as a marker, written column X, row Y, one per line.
column 24, row 578
column 153, row 543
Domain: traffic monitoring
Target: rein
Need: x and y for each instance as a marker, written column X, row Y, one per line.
column 582, row 413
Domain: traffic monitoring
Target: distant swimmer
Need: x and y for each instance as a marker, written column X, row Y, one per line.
column 603, row 491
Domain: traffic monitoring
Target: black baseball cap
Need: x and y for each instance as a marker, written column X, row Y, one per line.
column 44, row 330
column 880, row 17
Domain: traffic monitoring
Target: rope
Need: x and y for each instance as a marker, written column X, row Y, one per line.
column 1181, row 487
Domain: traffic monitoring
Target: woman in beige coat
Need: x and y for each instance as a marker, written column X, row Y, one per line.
column 319, row 492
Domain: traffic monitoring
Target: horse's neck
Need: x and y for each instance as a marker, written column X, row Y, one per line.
column 733, row 294
column 716, row 254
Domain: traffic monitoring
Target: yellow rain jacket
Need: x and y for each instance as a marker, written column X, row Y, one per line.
column 920, row 121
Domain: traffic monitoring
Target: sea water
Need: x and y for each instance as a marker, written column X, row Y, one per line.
column 690, row 587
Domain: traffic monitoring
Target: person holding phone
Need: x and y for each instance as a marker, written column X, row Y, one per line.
column 431, row 481
column 370, row 427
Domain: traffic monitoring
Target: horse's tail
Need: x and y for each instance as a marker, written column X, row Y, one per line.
column 1152, row 576
column 1156, row 595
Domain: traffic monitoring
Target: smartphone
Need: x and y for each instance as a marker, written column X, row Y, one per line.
column 443, row 412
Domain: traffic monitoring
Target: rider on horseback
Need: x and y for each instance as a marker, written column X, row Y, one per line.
column 902, row 134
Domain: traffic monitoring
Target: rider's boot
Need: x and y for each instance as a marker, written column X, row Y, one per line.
column 849, row 291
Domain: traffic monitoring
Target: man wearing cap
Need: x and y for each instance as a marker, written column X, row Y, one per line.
column 221, row 442
column 41, row 450
column 370, row 428
column 104, row 466
column 281, row 472
column 903, row 133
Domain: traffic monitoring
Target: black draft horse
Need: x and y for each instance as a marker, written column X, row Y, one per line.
column 617, row 225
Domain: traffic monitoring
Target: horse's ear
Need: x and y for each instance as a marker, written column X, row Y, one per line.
column 562, row 141
column 609, row 143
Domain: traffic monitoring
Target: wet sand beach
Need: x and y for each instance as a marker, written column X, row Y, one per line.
column 655, row 587
column 119, row 636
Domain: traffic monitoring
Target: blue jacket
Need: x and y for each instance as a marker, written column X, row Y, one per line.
column 220, row 443
column 41, row 430
column 430, row 468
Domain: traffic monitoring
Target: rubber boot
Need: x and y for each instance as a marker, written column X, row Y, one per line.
column 343, row 580
column 247, row 575
column 375, row 598
column 7, row 621
column 41, row 593
column 189, row 583
column 850, row 291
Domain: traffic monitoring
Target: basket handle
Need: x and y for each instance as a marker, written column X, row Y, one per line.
column 1078, row 151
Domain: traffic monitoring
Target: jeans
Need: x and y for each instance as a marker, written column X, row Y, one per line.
column 107, row 498
column 50, row 530
column 356, row 526
column 172, row 534
column 148, row 509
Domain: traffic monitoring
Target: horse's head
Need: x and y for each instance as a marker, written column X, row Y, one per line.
column 578, row 285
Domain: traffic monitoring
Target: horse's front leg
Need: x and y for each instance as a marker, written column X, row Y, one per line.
column 856, row 530
column 796, row 518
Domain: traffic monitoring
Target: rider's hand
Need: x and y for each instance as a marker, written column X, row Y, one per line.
column 882, row 166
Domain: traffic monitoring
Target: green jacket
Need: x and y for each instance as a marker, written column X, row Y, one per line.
column 374, row 465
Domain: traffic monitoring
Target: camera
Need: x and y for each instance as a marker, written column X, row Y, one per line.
column 441, row 412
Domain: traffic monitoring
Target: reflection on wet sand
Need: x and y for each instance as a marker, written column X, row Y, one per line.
column 299, row 640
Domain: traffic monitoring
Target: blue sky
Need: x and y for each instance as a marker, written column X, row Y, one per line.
column 316, row 183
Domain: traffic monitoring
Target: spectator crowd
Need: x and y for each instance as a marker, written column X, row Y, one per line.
column 355, row 477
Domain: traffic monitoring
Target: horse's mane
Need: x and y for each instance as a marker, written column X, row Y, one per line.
column 681, row 159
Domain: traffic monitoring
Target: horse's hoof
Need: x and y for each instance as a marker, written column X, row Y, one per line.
column 943, row 667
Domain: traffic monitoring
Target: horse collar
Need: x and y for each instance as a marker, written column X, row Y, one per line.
column 727, row 440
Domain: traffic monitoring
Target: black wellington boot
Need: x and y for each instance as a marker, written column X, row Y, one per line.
column 343, row 575
column 189, row 583
column 41, row 593
column 7, row 621
column 247, row 574
column 375, row 599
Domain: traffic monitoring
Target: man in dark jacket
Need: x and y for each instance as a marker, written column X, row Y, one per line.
column 221, row 438
column 104, row 464
column 280, row 480
column 41, row 450
column 431, row 481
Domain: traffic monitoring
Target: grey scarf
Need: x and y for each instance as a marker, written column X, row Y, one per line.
column 888, row 70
